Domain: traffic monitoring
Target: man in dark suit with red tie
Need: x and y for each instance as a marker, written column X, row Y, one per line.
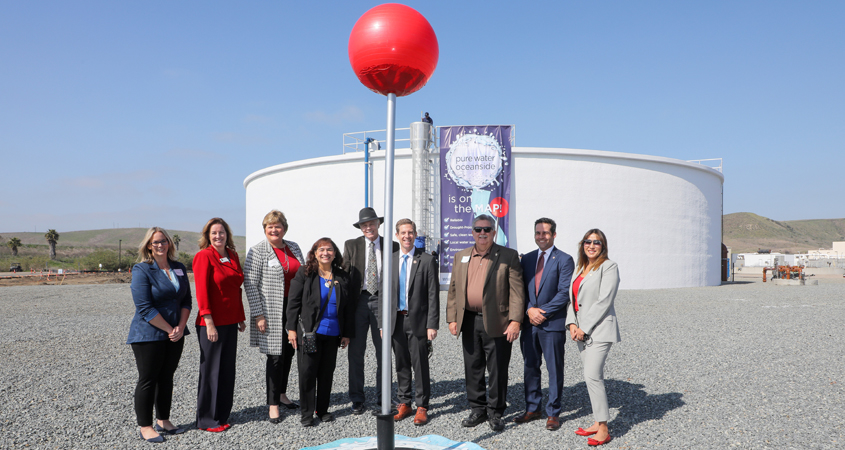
column 416, row 318
column 547, row 272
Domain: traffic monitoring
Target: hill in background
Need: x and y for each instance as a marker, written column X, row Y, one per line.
column 80, row 243
column 747, row 232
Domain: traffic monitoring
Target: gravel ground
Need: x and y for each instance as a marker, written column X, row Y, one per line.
column 747, row 365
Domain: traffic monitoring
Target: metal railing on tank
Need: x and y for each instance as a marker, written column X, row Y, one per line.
column 713, row 163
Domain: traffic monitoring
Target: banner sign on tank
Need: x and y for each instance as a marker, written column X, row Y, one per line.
column 475, row 168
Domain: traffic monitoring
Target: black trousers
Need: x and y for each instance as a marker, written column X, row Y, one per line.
column 484, row 352
column 411, row 351
column 316, row 373
column 278, row 372
column 216, row 390
column 157, row 362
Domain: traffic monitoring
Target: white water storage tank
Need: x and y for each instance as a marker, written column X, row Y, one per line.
column 662, row 216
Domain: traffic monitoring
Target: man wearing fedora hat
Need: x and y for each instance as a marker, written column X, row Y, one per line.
column 362, row 260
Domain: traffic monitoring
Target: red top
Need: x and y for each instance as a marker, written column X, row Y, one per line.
column 575, row 287
column 218, row 285
column 289, row 265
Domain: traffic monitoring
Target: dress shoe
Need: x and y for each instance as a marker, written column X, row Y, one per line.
column 219, row 429
column 474, row 419
column 275, row 420
column 290, row 405
column 154, row 440
column 583, row 432
column 553, row 424
column 161, row 429
column 421, row 418
column 327, row 417
column 595, row 443
column 496, row 423
column 528, row 417
column 403, row 411
column 307, row 422
column 357, row 408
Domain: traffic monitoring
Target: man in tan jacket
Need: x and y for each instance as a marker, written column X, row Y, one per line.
column 486, row 303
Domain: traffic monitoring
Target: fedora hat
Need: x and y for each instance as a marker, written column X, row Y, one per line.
column 366, row 215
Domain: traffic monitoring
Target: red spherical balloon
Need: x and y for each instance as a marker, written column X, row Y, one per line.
column 393, row 49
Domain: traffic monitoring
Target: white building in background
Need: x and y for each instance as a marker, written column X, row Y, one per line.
column 838, row 251
column 662, row 216
column 768, row 259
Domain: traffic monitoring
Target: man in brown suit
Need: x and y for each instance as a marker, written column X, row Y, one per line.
column 486, row 303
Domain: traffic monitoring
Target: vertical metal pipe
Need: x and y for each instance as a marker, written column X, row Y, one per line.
column 367, row 174
column 387, row 258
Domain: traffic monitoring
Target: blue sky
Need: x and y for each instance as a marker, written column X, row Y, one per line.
column 153, row 113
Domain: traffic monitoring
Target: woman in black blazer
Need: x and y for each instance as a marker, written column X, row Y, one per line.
column 319, row 302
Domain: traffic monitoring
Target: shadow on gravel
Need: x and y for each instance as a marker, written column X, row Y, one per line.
column 635, row 405
column 732, row 283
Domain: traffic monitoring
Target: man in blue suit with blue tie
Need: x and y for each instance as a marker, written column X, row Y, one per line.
column 547, row 272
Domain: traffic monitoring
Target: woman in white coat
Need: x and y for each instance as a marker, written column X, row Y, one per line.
column 591, row 319
column 269, row 269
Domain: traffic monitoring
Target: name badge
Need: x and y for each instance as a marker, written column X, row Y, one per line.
column 465, row 259
column 179, row 272
column 224, row 260
column 273, row 263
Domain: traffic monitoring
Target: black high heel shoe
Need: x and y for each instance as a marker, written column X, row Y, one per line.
column 290, row 405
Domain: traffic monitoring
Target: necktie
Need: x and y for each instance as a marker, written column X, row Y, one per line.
column 372, row 270
column 539, row 275
column 403, row 301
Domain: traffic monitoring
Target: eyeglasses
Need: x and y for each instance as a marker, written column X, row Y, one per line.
column 162, row 242
column 484, row 229
column 596, row 242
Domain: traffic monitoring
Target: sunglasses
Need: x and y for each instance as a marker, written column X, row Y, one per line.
column 596, row 242
column 163, row 242
column 484, row 229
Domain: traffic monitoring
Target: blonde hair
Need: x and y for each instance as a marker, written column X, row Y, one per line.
column 145, row 254
column 275, row 216
column 205, row 236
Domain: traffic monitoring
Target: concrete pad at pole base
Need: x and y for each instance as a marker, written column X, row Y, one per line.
column 785, row 282
column 427, row 442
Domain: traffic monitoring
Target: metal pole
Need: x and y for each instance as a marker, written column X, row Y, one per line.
column 385, row 434
column 367, row 202
column 119, row 242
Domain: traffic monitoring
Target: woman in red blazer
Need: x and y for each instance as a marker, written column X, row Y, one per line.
column 218, row 277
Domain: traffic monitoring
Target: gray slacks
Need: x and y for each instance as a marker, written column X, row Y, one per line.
column 593, row 357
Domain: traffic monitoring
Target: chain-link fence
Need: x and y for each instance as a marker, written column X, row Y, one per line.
column 837, row 263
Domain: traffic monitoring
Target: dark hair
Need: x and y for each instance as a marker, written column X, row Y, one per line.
column 548, row 221
column 311, row 263
column 205, row 237
column 583, row 260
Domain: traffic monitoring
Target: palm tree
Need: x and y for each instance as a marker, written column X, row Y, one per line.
column 52, row 237
column 176, row 241
column 13, row 244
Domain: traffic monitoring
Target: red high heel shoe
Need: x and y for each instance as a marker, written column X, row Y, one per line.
column 596, row 443
column 583, row 432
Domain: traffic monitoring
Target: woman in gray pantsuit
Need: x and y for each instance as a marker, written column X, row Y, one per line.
column 592, row 324
column 270, row 266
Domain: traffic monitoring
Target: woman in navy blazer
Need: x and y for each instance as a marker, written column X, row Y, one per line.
column 162, row 295
column 319, row 302
column 218, row 277
column 591, row 319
